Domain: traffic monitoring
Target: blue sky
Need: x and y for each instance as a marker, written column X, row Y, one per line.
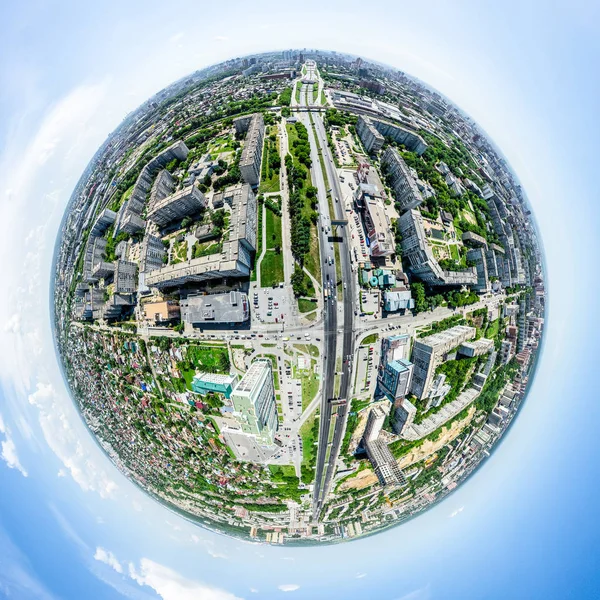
column 525, row 526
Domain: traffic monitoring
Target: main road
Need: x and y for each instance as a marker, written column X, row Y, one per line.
column 334, row 412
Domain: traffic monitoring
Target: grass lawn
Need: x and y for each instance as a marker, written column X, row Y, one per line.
column 305, row 306
column 273, row 224
column 310, row 349
column 214, row 359
column 271, row 269
column 492, row 329
column 309, row 433
column 206, row 248
column 312, row 260
column 179, row 252
column 283, row 470
column 370, row 339
column 310, row 386
column 311, row 316
column 271, row 184
column 454, row 252
column 275, row 369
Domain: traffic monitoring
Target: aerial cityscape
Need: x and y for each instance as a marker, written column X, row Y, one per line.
column 299, row 297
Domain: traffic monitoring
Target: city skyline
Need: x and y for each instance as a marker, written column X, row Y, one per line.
column 520, row 511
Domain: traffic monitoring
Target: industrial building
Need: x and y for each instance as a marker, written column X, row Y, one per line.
column 235, row 259
column 229, row 307
column 403, row 184
column 429, row 352
column 254, row 402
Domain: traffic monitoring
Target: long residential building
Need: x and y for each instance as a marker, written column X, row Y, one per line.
column 410, row 139
column 182, row 203
column 385, row 465
column 423, row 265
column 403, row 184
column 130, row 214
column 252, row 152
column 94, row 249
column 429, row 352
column 235, row 258
column 371, row 138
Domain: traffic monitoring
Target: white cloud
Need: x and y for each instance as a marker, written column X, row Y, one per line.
column 8, row 451
column 288, row 587
column 361, row 575
column 67, row 136
column 457, row 512
column 423, row 593
column 170, row 585
column 56, row 421
column 221, row 38
column 108, row 558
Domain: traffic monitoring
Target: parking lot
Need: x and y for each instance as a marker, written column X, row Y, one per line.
column 365, row 371
column 343, row 150
column 270, row 305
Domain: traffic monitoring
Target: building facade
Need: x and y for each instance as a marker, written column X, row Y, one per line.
column 254, row 402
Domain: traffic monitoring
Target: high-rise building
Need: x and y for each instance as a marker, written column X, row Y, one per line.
column 394, row 378
column 254, row 402
column 403, row 415
column 395, row 347
column 429, row 352
column 477, row 256
column 375, row 422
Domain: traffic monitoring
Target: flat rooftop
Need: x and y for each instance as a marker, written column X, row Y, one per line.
column 230, row 307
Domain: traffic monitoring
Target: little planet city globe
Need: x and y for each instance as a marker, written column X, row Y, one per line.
column 298, row 297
